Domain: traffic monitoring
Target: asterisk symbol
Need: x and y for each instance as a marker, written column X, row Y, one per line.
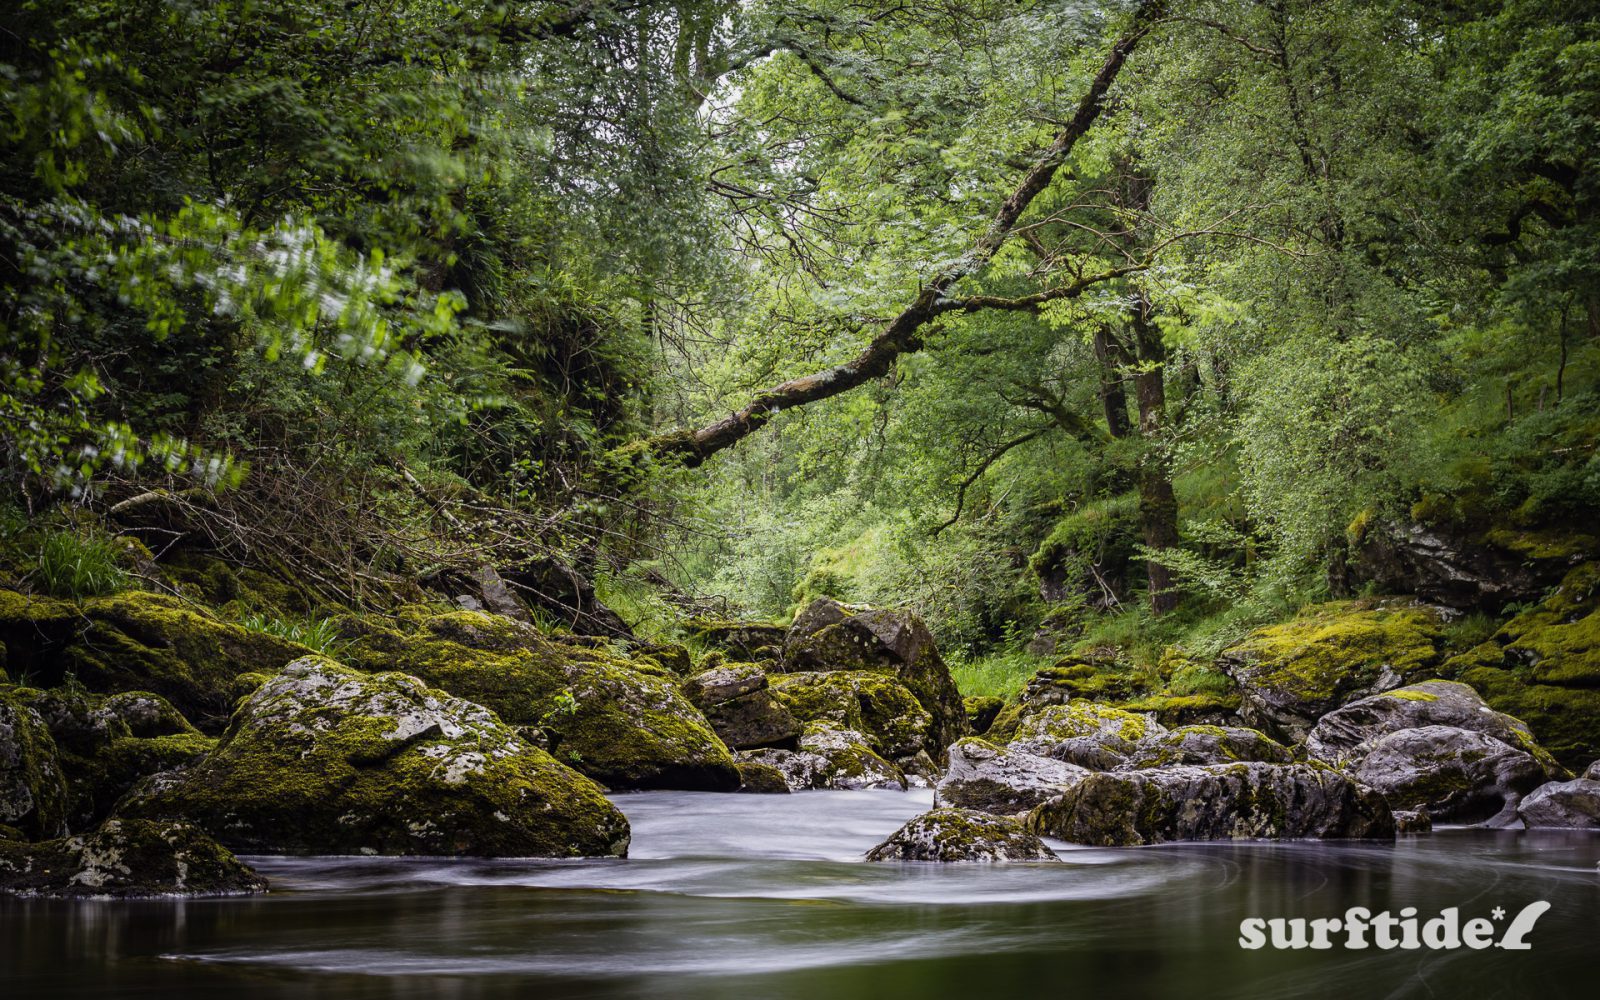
column 1499, row 913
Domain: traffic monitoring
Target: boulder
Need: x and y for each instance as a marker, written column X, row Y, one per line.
column 745, row 714
column 761, row 779
column 1467, row 571
column 962, row 835
column 745, row 640
column 894, row 722
column 1592, row 772
column 323, row 759
column 33, row 793
column 987, row 778
column 1458, row 775
column 622, row 722
column 1207, row 745
column 137, row 641
column 1292, row 674
column 981, row 712
column 1085, row 733
column 1568, row 804
column 827, row 636
column 1214, row 802
column 830, row 757
column 126, row 858
column 1412, row 821
column 1339, row 735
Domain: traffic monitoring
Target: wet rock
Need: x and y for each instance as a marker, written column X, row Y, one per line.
column 761, row 779
column 1568, row 804
column 1461, row 570
column 830, row 757
column 1085, row 733
column 323, row 759
column 126, row 858
column 953, row 835
column 829, row 636
column 1207, row 745
column 990, row 779
column 1339, row 735
column 1458, row 775
column 1412, row 821
column 1292, row 674
column 1214, row 802
column 622, row 722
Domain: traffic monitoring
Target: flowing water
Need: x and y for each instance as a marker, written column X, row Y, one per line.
column 766, row 896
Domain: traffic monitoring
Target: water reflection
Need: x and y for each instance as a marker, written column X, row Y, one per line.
column 739, row 896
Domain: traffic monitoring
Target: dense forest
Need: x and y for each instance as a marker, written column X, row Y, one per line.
column 1150, row 354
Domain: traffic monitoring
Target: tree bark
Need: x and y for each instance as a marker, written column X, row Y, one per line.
column 1113, row 398
column 903, row 334
column 1158, row 506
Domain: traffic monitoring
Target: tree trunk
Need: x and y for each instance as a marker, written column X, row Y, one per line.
column 1113, row 398
column 1158, row 506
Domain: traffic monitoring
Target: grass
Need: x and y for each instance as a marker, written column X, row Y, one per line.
column 999, row 675
column 320, row 634
column 74, row 566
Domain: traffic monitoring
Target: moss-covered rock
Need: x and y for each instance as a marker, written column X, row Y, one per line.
column 33, row 793
column 745, row 714
column 981, row 711
column 1458, row 775
column 1246, row 801
column 1207, row 745
column 1085, row 733
column 620, row 721
column 1293, row 673
column 951, row 835
column 990, row 779
column 126, row 858
column 884, row 709
column 744, row 640
column 830, row 756
column 324, row 759
column 136, row 641
column 829, row 636
column 761, row 779
column 1344, row 733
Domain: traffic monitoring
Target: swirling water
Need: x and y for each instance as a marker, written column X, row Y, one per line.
column 766, row 896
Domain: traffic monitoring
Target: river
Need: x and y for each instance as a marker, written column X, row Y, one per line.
column 744, row 896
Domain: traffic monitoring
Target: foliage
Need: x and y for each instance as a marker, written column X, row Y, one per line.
column 75, row 566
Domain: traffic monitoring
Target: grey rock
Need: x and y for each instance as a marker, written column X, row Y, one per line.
column 126, row 858
column 955, row 835
column 1207, row 745
column 990, row 779
column 1568, row 804
column 830, row 757
column 1459, row 775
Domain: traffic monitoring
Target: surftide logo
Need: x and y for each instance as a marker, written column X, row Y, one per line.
column 1360, row 928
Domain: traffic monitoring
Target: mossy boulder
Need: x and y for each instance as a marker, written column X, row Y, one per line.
column 954, row 835
column 1458, row 775
column 745, row 640
column 981, row 712
column 1573, row 805
column 884, row 709
column 830, row 636
column 136, row 641
column 1292, row 674
column 757, row 778
column 830, row 757
column 623, row 722
column 33, row 793
column 745, row 714
column 1344, row 732
column 1537, row 668
column 324, row 759
column 1207, row 745
column 1245, row 801
column 1086, row 733
column 126, row 858
column 991, row 779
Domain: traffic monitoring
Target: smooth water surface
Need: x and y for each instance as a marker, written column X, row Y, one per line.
column 765, row 896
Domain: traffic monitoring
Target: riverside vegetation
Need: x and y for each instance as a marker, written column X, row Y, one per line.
column 1142, row 422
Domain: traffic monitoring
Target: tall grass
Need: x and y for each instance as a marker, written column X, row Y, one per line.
column 74, row 566
column 320, row 634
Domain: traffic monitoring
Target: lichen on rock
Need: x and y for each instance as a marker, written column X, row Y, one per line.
column 33, row 793
column 962, row 835
column 126, row 858
column 992, row 779
column 325, row 759
column 830, row 756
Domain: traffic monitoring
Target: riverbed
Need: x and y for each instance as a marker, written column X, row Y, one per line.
column 743, row 896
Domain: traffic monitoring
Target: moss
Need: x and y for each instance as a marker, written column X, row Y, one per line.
column 127, row 858
column 954, row 835
column 1081, row 718
column 1410, row 694
column 33, row 793
column 761, row 779
column 619, row 721
column 324, row 759
column 1545, row 544
column 895, row 723
column 981, row 711
column 98, row 779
